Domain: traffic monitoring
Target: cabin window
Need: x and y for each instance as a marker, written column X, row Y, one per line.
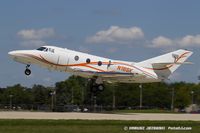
column 76, row 58
column 99, row 63
column 88, row 60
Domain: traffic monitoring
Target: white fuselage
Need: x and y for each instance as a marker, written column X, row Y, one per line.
column 85, row 65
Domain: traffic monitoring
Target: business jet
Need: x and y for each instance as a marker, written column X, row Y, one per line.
column 101, row 69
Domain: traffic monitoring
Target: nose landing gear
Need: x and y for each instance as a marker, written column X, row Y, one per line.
column 27, row 70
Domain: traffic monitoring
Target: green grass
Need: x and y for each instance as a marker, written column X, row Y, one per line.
column 87, row 126
column 143, row 111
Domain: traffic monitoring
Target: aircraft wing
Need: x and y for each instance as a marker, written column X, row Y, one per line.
column 104, row 74
column 111, row 76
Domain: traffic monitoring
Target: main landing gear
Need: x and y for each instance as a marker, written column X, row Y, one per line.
column 96, row 85
column 97, row 88
column 27, row 70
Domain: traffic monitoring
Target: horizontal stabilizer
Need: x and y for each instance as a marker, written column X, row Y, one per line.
column 175, row 63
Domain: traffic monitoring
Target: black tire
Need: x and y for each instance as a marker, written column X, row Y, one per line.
column 93, row 89
column 100, row 87
column 27, row 72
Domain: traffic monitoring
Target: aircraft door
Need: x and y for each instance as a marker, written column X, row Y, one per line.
column 111, row 67
column 63, row 61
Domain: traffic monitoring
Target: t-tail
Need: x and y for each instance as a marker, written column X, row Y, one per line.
column 166, row 64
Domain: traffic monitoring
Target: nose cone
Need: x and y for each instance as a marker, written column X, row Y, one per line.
column 21, row 56
column 12, row 53
column 17, row 53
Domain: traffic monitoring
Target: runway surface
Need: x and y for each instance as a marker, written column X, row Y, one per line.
column 99, row 116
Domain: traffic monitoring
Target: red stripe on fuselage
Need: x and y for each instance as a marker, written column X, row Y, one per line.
column 42, row 59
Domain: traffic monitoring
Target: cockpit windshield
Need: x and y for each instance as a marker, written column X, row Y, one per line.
column 46, row 49
column 42, row 49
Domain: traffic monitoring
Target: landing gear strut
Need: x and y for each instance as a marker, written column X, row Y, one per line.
column 96, row 86
column 27, row 70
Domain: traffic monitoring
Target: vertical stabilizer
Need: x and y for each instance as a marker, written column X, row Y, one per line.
column 166, row 64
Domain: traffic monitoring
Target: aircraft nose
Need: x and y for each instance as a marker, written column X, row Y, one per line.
column 12, row 53
column 15, row 54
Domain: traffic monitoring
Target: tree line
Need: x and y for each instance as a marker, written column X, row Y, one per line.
column 76, row 91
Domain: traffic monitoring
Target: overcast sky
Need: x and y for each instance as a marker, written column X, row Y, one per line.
column 132, row 30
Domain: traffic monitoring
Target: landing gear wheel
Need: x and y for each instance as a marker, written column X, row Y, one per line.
column 100, row 87
column 93, row 89
column 27, row 72
column 96, row 87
